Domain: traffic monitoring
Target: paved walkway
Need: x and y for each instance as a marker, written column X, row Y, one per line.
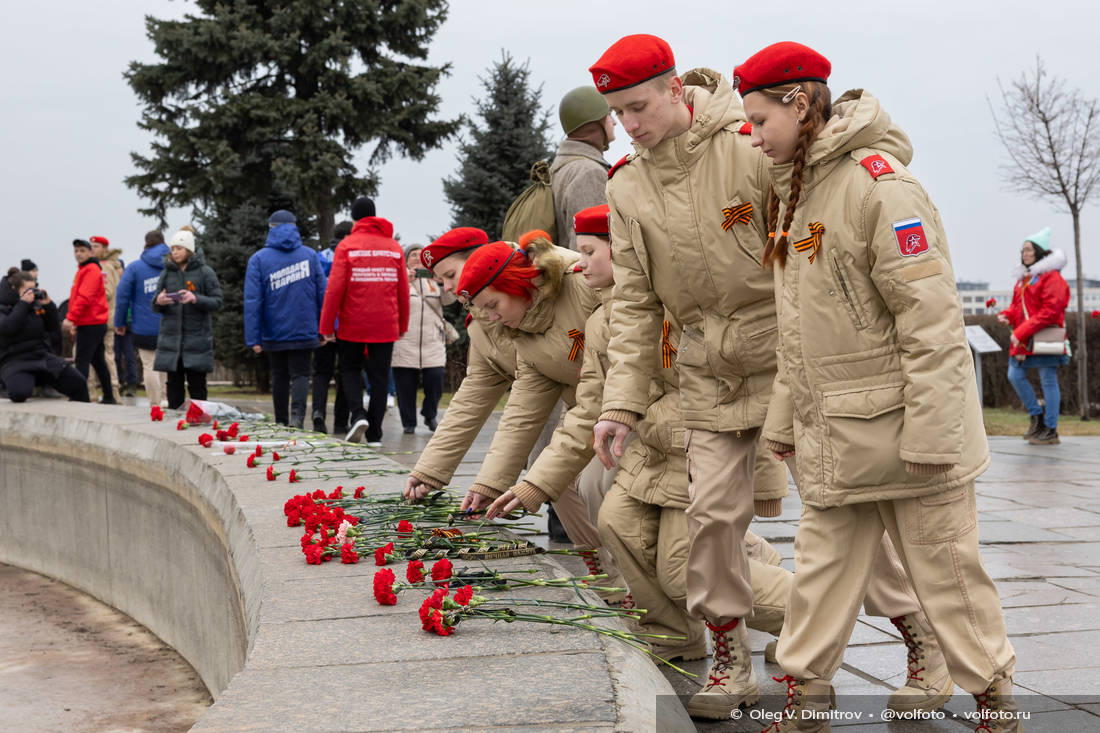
column 1040, row 532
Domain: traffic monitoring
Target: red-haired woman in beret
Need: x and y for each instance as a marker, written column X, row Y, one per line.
column 870, row 339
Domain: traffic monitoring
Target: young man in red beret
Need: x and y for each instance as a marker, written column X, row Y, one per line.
column 687, row 234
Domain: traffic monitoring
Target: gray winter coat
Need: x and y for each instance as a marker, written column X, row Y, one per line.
column 187, row 330
column 578, row 176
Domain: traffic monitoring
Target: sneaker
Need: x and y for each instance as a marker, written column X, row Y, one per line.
column 432, row 424
column 1035, row 426
column 1046, row 436
column 319, row 425
column 374, row 444
column 389, row 400
column 355, row 435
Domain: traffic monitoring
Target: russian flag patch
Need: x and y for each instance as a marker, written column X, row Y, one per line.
column 911, row 238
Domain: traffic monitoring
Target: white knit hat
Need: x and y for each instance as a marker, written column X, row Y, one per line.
column 183, row 239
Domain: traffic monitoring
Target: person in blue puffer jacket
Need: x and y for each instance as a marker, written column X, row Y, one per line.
column 134, row 296
column 284, row 288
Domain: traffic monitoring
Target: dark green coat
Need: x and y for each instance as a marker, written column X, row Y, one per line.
column 187, row 330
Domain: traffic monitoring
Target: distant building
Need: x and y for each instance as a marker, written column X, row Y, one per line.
column 974, row 296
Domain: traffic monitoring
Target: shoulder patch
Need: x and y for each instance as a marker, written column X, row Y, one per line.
column 614, row 169
column 469, row 319
column 746, row 129
column 876, row 165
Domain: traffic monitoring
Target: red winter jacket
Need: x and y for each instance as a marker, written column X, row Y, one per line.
column 368, row 287
column 88, row 297
column 1045, row 293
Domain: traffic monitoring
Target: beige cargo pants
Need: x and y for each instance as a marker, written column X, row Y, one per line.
column 936, row 538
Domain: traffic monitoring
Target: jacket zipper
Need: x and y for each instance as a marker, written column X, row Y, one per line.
column 847, row 293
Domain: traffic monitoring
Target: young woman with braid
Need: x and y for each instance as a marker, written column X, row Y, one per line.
column 870, row 337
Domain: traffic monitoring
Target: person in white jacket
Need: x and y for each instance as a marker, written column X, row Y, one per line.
column 421, row 354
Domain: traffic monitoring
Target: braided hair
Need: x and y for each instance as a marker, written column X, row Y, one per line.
column 820, row 109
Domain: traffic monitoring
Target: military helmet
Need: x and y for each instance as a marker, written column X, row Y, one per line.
column 581, row 105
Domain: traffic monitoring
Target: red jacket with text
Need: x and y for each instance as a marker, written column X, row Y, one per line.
column 88, row 297
column 368, row 287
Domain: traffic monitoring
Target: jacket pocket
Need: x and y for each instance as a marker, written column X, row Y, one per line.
column 693, row 349
column 750, row 341
column 848, row 294
column 738, row 221
column 863, row 429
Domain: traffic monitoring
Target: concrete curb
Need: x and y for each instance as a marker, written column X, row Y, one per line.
column 194, row 546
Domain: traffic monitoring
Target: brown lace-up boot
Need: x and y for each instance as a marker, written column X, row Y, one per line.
column 805, row 698
column 731, row 681
column 928, row 684
column 997, row 710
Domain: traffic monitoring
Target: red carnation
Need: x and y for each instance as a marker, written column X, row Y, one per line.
column 243, row 439
column 271, row 473
column 352, row 520
column 991, row 303
column 314, row 554
column 293, row 518
column 348, row 555
column 438, row 624
column 337, row 493
column 463, row 595
column 383, row 587
column 251, row 462
column 259, row 451
column 206, row 440
column 194, row 413
column 359, row 492
column 233, row 430
column 415, row 572
column 155, row 413
column 404, row 528
column 1096, row 314
column 221, row 435
column 384, row 554
column 318, row 494
column 274, row 455
column 441, row 570
column 181, row 425
column 293, row 477
column 229, row 450
column 434, row 602
column 214, row 426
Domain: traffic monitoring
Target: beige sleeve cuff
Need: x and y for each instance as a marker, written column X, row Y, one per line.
column 531, row 496
column 626, row 417
column 767, row 507
column 778, row 447
column 928, row 469
column 484, row 490
column 426, row 479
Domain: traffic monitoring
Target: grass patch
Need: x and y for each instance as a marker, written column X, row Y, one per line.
column 1005, row 421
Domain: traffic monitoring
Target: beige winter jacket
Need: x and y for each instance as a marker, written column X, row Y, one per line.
column 490, row 371
column 112, row 273
column 687, row 229
column 424, row 344
column 549, row 345
column 578, row 177
column 653, row 468
column 875, row 367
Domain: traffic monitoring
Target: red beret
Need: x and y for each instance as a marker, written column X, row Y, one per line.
column 456, row 240
column 630, row 61
column 98, row 240
column 482, row 268
column 786, row 62
column 593, row 221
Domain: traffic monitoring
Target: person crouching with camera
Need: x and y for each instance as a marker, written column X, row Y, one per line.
column 27, row 315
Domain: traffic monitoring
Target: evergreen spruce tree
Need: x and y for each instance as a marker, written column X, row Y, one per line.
column 256, row 105
column 252, row 96
column 495, row 158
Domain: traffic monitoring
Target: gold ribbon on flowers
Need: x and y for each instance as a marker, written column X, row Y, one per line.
column 667, row 349
column 811, row 243
column 737, row 214
column 578, row 344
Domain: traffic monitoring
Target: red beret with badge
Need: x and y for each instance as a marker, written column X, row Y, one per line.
column 483, row 267
column 98, row 240
column 781, row 63
column 593, row 221
column 630, row 61
column 456, row 240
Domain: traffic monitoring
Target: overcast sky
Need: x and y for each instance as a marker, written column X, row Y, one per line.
column 70, row 120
